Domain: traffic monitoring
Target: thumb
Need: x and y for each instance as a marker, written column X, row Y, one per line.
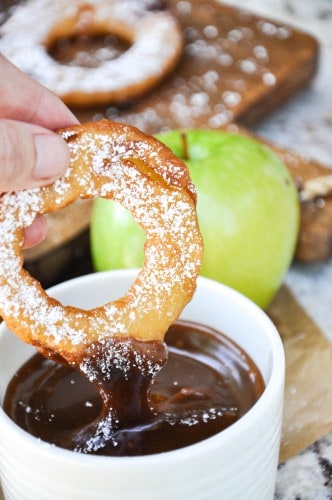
column 30, row 156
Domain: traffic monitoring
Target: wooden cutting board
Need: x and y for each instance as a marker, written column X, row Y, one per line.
column 236, row 66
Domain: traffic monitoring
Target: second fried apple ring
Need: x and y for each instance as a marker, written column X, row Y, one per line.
column 118, row 162
column 154, row 36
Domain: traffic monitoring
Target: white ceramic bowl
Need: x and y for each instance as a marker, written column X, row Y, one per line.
column 238, row 463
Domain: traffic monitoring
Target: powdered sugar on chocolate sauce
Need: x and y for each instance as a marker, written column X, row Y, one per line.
column 118, row 162
column 153, row 34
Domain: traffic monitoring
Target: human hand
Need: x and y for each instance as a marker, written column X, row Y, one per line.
column 31, row 154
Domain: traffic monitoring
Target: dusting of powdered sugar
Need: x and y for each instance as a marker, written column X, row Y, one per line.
column 115, row 355
column 232, row 61
column 155, row 37
column 103, row 163
column 125, row 355
column 104, row 432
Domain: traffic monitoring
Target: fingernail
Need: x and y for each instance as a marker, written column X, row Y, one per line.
column 52, row 156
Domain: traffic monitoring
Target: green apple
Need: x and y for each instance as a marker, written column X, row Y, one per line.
column 248, row 212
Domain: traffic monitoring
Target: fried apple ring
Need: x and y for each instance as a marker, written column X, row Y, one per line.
column 153, row 33
column 118, row 162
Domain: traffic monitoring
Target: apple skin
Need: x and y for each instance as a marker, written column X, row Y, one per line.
column 248, row 211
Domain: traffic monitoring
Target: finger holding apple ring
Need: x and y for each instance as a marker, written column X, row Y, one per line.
column 118, row 162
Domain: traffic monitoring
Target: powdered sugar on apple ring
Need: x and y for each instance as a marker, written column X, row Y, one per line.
column 118, row 162
column 153, row 34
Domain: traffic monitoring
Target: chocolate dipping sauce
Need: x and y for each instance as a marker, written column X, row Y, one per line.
column 139, row 403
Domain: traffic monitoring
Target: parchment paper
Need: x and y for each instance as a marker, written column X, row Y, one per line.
column 308, row 391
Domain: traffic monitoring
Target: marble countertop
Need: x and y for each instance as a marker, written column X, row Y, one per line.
column 304, row 125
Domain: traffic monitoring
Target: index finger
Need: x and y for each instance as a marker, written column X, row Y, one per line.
column 23, row 99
